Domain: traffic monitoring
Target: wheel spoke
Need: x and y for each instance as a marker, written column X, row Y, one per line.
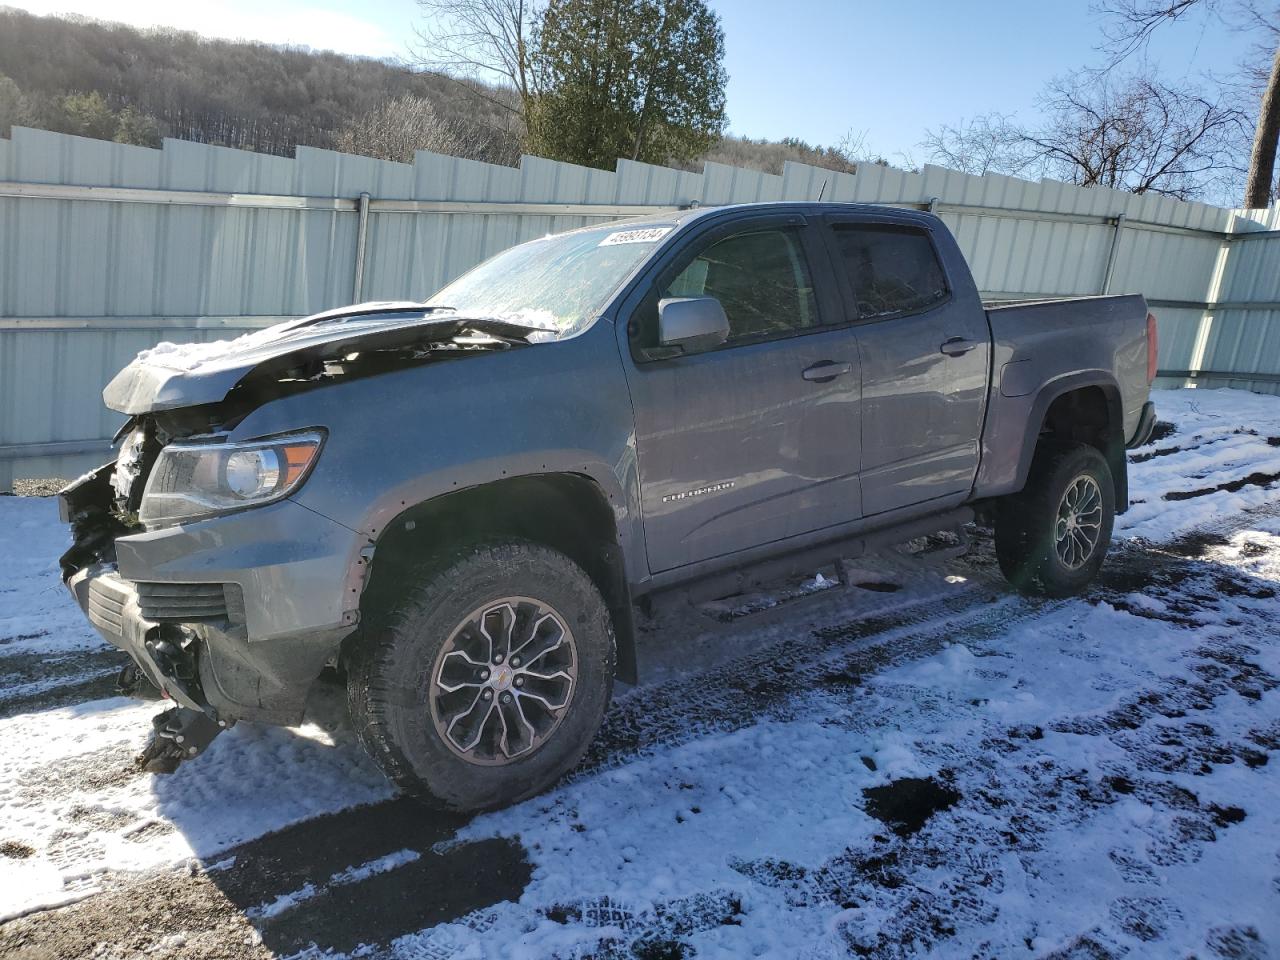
column 513, row 718
column 467, row 727
column 1083, row 546
column 458, row 670
column 551, row 691
column 496, row 626
column 546, row 635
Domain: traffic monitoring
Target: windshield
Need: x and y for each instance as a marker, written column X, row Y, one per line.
column 559, row 282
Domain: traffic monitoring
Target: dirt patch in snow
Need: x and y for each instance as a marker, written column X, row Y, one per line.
column 15, row 849
column 906, row 805
column 1256, row 479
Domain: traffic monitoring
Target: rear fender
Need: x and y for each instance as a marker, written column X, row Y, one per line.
column 1018, row 424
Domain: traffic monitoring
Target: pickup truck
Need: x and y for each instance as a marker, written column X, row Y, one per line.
column 459, row 503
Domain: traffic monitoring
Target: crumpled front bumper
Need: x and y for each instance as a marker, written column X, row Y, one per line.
column 111, row 605
column 235, row 615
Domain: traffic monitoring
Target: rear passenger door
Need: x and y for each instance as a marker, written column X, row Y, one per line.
column 755, row 440
column 925, row 347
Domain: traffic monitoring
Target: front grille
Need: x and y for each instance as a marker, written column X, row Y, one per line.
column 182, row 601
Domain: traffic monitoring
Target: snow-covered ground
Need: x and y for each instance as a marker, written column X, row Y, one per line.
column 926, row 763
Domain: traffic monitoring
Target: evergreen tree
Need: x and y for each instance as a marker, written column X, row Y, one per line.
column 642, row 79
column 134, row 126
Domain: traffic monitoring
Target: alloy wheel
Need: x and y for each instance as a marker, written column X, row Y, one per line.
column 1079, row 522
column 503, row 681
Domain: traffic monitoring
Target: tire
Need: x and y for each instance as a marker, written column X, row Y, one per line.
column 1028, row 547
column 411, row 679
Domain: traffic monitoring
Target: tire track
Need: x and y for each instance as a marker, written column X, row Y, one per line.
column 42, row 681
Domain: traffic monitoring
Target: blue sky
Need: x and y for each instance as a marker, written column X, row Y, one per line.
column 814, row 69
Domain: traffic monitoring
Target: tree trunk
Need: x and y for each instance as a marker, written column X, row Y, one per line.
column 1262, row 163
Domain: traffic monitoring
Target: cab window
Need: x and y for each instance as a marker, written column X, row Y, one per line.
column 894, row 270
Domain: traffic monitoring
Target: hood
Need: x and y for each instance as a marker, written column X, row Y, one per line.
column 172, row 375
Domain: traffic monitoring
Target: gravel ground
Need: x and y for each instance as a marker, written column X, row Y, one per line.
column 40, row 487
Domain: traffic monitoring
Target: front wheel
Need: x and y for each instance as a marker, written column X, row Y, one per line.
column 488, row 680
column 1052, row 537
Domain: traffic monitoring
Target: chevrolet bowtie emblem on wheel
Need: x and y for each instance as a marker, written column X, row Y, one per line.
column 714, row 488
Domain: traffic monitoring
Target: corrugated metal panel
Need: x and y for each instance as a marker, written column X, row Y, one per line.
column 146, row 271
column 1242, row 337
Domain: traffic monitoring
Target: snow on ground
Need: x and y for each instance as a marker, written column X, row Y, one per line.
column 1225, row 439
column 924, row 763
column 34, row 613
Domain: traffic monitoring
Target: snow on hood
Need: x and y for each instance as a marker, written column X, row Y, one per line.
column 171, row 375
column 191, row 356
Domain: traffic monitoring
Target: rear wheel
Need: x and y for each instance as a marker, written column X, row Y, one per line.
column 1052, row 537
column 488, row 680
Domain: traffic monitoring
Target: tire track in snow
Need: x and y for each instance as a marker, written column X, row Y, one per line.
column 42, row 681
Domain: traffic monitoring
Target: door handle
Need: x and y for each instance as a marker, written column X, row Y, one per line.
column 824, row 371
column 957, row 346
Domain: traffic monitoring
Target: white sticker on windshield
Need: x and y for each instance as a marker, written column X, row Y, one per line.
column 647, row 235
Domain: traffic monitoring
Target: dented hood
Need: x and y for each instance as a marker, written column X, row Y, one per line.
column 183, row 375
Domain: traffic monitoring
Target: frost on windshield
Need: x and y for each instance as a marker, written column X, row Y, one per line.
column 558, row 283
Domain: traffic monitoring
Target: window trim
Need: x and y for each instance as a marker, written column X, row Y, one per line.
column 832, row 222
column 827, row 300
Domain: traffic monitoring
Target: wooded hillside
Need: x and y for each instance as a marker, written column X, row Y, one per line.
column 246, row 95
column 113, row 81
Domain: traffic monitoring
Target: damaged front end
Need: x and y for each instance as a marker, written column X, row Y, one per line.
column 159, row 625
column 231, row 599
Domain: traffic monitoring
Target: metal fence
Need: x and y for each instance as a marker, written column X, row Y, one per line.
column 1237, row 338
column 106, row 249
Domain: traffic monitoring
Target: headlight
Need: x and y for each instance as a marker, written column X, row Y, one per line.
column 195, row 480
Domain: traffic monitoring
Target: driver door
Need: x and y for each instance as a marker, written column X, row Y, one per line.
column 755, row 440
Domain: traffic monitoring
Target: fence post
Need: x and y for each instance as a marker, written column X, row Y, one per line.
column 1113, row 254
column 362, row 233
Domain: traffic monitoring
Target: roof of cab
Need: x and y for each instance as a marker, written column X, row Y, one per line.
column 687, row 215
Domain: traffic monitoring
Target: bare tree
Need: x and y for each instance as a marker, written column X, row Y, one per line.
column 490, row 41
column 1130, row 25
column 1129, row 133
column 989, row 143
column 1134, row 134
column 400, row 127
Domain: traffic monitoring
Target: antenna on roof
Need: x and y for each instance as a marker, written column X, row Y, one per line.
column 822, row 190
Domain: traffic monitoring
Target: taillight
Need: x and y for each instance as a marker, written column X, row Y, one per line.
column 1153, row 346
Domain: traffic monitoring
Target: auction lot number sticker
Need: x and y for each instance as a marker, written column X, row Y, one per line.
column 647, row 235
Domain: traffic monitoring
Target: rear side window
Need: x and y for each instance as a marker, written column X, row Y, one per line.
column 893, row 269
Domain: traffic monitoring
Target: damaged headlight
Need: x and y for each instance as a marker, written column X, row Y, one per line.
column 191, row 481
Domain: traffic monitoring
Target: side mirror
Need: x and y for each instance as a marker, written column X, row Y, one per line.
column 692, row 323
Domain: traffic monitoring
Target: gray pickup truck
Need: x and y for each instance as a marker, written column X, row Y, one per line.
column 458, row 503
